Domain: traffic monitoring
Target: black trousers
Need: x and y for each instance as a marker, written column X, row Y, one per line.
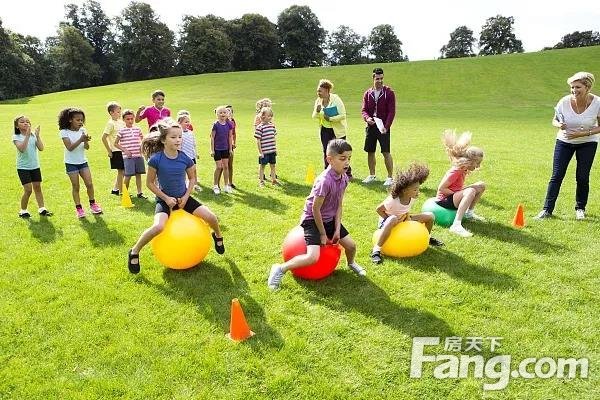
column 327, row 135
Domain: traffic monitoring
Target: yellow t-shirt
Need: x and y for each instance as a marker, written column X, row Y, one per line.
column 111, row 129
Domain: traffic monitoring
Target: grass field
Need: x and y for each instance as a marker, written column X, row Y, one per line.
column 76, row 324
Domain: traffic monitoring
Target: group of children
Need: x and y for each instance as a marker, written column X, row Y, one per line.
column 170, row 149
column 322, row 215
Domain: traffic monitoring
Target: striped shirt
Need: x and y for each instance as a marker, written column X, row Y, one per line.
column 131, row 139
column 265, row 133
column 188, row 144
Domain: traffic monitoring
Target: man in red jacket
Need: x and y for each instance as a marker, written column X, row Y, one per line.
column 378, row 111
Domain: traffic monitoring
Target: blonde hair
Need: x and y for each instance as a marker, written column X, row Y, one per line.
column 326, row 84
column 459, row 148
column 221, row 108
column 586, row 78
column 266, row 102
column 266, row 111
column 181, row 114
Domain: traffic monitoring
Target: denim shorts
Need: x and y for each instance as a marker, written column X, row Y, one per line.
column 134, row 166
column 75, row 168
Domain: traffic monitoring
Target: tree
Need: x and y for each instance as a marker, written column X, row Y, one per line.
column 204, row 46
column 14, row 71
column 72, row 58
column 346, row 47
column 384, row 45
column 146, row 45
column 460, row 44
column 301, row 37
column 255, row 43
column 96, row 27
column 497, row 37
column 579, row 39
column 40, row 74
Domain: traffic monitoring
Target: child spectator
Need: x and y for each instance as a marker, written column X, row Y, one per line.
column 108, row 139
column 267, row 151
column 129, row 140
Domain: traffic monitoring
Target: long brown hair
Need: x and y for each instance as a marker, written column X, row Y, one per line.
column 154, row 142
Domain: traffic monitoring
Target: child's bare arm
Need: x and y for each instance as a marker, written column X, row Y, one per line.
column 444, row 186
column 381, row 211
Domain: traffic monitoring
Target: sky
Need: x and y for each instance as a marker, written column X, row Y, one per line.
column 422, row 26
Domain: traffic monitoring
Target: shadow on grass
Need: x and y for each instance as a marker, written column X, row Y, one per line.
column 100, row 234
column 436, row 259
column 509, row 234
column 43, row 230
column 144, row 206
column 260, row 201
column 345, row 292
column 211, row 289
column 296, row 189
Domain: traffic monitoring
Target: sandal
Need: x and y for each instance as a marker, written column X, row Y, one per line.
column 133, row 268
column 220, row 248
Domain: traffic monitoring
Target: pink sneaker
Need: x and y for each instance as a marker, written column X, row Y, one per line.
column 95, row 208
column 80, row 212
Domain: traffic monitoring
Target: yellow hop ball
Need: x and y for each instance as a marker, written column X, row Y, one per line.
column 407, row 239
column 184, row 242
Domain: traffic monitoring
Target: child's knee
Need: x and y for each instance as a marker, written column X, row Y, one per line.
column 428, row 217
column 348, row 244
column 27, row 188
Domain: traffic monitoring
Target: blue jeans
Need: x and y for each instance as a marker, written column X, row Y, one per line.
column 563, row 152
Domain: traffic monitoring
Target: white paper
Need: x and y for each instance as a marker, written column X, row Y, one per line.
column 379, row 123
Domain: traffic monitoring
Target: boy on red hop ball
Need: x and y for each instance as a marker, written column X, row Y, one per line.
column 322, row 215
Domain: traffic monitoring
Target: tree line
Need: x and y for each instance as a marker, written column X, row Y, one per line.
column 91, row 49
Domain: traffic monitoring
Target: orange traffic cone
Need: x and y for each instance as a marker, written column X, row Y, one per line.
column 125, row 199
column 238, row 327
column 519, row 220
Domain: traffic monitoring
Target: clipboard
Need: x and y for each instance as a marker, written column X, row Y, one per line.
column 331, row 111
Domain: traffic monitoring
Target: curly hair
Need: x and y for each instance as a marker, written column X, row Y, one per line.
column 66, row 115
column 414, row 173
column 459, row 148
column 266, row 102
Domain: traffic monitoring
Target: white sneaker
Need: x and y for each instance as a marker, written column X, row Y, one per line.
column 471, row 215
column 228, row 189
column 388, row 182
column 275, row 277
column 579, row 214
column 369, row 179
column 357, row 269
column 216, row 189
column 460, row 231
column 197, row 188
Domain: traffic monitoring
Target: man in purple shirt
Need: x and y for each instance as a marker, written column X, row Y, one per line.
column 322, row 215
column 155, row 112
column 378, row 111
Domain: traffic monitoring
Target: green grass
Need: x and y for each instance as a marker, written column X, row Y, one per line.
column 76, row 324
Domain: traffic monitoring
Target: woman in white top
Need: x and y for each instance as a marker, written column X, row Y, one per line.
column 577, row 117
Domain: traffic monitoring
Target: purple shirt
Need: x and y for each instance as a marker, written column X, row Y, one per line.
column 153, row 114
column 383, row 107
column 331, row 186
column 222, row 135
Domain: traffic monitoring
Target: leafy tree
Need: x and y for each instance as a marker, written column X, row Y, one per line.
column 96, row 27
column 204, row 46
column 255, row 43
column 146, row 45
column 497, row 37
column 384, row 45
column 301, row 37
column 13, row 68
column 72, row 58
column 40, row 74
column 346, row 46
column 579, row 39
column 460, row 44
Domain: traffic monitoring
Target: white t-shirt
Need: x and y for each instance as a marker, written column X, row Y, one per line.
column 77, row 155
column 584, row 121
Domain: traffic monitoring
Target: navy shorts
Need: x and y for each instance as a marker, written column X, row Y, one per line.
column 190, row 206
column 75, row 168
column 270, row 158
column 372, row 136
column 312, row 236
column 116, row 161
column 29, row 175
column 134, row 166
column 447, row 203
column 221, row 154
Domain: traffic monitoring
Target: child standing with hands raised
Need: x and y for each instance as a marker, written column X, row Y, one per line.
column 28, row 165
column 452, row 194
column 76, row 142
column 170, row 166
